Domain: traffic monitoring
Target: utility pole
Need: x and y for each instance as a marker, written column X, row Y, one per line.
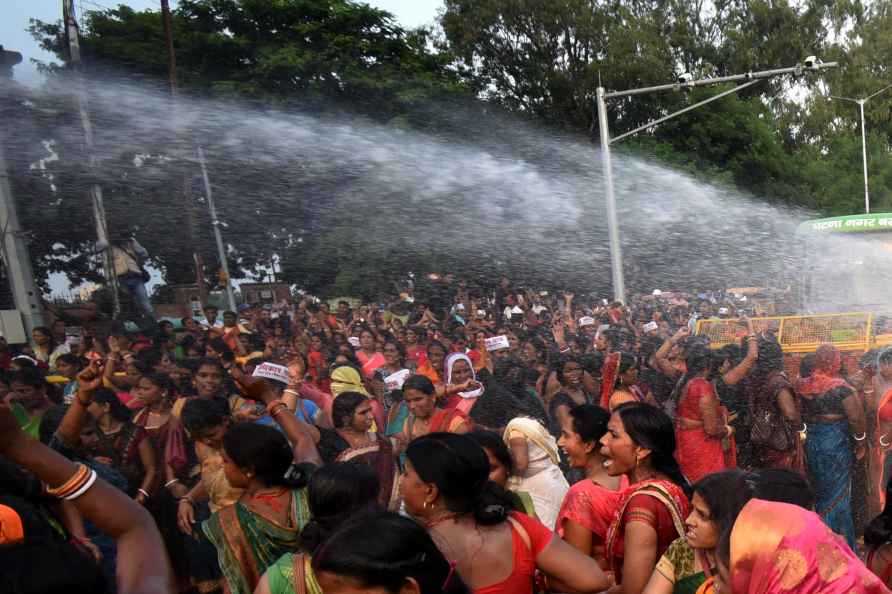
column 16, row 256
column 861, row 103
column 684, row 81
column 216, row 225
column 168, row 41
column 74, row 59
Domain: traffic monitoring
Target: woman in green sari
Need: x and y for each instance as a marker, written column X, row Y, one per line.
column 336, row 492
column 688, row 566
column 266, row 522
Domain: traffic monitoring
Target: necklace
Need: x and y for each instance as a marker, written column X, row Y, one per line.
column 444, row 518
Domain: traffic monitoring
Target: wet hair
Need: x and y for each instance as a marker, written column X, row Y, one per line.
column 785, row 486
column 209, row 362
column 200, row 414
column 49, row 423
column 723, row 548
column 879, row 531
column 264, row 450
column 697, row 359
column 71, row 359
column 459, row 468
column 771, row 357
column 344, row 407
column 30, row 376
column 651, row 428
column 147, row 360
column 561, row 363
column 492, row 441
column 807, row 365
column 117, row 410
column 220, row 346
column 626, row 362
column 399, row 348
column 383, row 551
column 725, row 493
column 63, row 567
column 336, row 492
column 421, row 383
column 589, row 422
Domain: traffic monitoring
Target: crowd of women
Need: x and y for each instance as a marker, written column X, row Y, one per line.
column 503, row 442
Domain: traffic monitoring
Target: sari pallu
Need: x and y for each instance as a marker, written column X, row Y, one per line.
column 829, row 461
column 379, row 457
column 665, row 493
column 778, row 548
column 762, row 395
column 293, row 574
column 248, row 543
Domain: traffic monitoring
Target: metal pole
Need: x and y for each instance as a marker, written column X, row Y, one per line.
column 16, row 258
column 616, row 257
column 74, row 57
column 168, row 40
column 216, row 224
column 864, row 156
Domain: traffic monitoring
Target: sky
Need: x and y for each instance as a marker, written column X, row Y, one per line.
column 14, row 23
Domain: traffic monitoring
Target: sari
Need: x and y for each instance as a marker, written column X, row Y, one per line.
column 592, row 506
column 829, row 457
column 248, row 543
column 377, row 455
column 463, row 401
column 699, row 453
column 293, row 574
column 781, row 548
column 370, row 364
column 660, row 504
column 609, row 372
column 543, row 479
column 684, row 567
column 347, row 379
column 762, row 394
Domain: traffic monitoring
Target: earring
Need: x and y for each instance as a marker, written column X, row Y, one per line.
column 427, row 505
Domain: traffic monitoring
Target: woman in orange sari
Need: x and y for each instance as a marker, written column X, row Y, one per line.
column 777, row 548
column 705, row 439
column 639, row 443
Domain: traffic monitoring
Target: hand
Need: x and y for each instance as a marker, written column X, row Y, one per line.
column 140, row 499
column 467, row 386
column 185, row 516
column 296, row 371
column 11, row 433
column 90, row 546
column 178, row 490
column 113, row 346
column 860, row 451
column 682, row 333
column 89, row 379
column 568, row 297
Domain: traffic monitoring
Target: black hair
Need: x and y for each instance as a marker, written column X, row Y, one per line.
column 147, row 360
column 435, row 343
column 492, row 441
column 264, row 450
column 200, row 414
column 46, row 331
column 771, row 357
column 725, row 493
column 400, row 349
column 336, row 492
column 211, row 362
column 117, row 410
column 71, row 359
column 885, row 357
column 30, row 376
column 561, row 362
column 344, row 407
column 589, row 422
column 385, row 549
column 162, row 380
column 807, row 365
column 723, row 548
column 626, row 362
column 879, row 531
column 219, row 345
column 459, row 468
column 49, row 423
column 786, row 486
column 421, row 383
column 651, row 428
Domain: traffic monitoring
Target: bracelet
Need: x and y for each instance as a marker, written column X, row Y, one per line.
column 273, row 404
column 862, row 438
column 81, row 402
column 84, row 488
column 142, row 491
column 171, row 482
column 74, row 482
column 187, row 499
column 290, row 391
column 278, row 409
column 883, row 443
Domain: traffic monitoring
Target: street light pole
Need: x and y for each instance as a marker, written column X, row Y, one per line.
column 746, row 80
column 861, row 103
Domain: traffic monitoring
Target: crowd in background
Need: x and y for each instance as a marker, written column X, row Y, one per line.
column 485, row 439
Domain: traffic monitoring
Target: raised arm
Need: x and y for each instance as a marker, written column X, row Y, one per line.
column 742, row 369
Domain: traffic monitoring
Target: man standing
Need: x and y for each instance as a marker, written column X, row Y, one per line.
column 127, row 257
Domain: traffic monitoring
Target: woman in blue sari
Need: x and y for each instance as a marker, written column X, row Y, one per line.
column 836, row 427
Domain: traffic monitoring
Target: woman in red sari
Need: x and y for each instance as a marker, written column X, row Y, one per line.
column 640, row 444
column 778, row 548
column 704, row 437
column 590, row 504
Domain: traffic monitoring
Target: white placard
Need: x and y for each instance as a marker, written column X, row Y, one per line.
column 497, row 343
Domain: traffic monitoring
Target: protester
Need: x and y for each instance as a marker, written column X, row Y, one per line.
column 640, row 443
column 446, row 486
column 589, row 506
column 501, row 468
column 878, row 542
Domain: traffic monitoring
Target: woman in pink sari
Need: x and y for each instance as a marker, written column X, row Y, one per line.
column 781, row 548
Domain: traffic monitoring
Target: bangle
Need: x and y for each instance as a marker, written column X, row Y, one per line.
column 862, row 438
column 81, row 402
column 290, row 391
column 86, row 487
column 273, row 404
column 277, row 409
column 171, row 482
column 187, row 499
column 74, row 482
column 142, row 491
column 883, row 443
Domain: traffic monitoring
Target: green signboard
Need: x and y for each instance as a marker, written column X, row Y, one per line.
column 863, row 223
